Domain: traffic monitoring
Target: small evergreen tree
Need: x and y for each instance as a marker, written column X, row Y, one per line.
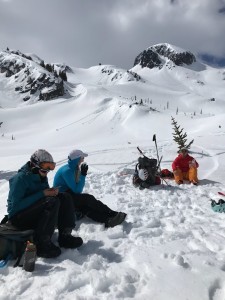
column 179, row 136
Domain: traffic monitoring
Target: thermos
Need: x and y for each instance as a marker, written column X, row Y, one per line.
column 29, row 257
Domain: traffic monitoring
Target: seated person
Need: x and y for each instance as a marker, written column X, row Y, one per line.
column 71, row 178
column 32, row 204
column 185, row 168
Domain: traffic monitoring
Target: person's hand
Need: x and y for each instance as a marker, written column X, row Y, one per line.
column 176, row 172
column 52, row 192
column 84, row 169
column 192, row 163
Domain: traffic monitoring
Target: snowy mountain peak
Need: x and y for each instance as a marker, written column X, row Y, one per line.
column 30, row 77
column 158, row 55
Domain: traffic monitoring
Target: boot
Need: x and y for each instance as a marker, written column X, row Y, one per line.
column 48, row 250
column 194, row 182
column 66, row 240
column 117, row 220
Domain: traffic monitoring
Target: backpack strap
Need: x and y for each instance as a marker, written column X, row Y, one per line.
column 136, row 170
column 17, row 263
column 136, row 180
column 4, row 220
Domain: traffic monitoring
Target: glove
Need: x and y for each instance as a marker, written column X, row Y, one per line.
column 84, row 169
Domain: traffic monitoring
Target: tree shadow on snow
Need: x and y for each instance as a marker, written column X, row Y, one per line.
column 174, row 186
column 207, row 181
column 7, row 174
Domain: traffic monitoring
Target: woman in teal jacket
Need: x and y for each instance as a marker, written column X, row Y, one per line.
column 25, row 188
column 32, row 204
column 71, row 178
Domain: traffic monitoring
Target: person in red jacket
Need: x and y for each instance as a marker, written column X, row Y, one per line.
column 185, row 168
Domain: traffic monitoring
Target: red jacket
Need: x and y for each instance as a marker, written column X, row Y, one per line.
column 183, row 162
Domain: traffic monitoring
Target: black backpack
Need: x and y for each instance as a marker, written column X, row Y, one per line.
column 13, row 243
column 151, row 165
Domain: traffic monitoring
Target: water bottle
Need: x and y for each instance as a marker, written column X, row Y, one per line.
column 29, row 257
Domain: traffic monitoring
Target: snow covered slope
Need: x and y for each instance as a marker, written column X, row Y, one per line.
column 172, row 244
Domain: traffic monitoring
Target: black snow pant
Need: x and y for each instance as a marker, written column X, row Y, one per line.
column 89, row 206
column 44, row 215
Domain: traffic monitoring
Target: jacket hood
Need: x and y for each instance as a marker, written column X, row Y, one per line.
column 25, row 169
column 73, row 163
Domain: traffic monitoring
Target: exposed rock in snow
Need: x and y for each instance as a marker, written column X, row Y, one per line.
column 158, row 55
column 30, row 77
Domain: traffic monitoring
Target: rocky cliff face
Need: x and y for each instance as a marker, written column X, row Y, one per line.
column 159, row 55
column 31, row 77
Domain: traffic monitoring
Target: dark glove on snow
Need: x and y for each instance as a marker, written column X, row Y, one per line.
column 84, row 169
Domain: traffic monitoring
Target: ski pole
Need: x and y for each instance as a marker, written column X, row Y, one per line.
column 159, row 160
column 141, row 152
column 157, row 152
column 154, row 140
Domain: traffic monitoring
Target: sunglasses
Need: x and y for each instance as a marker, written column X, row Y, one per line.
column 46, row 167
column 44, row 171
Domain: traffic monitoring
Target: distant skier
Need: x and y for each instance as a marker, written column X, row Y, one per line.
column 185, row 168
column 71, row 178
column 32, row 204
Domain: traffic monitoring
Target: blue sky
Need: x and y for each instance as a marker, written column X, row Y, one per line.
column 83, row 33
